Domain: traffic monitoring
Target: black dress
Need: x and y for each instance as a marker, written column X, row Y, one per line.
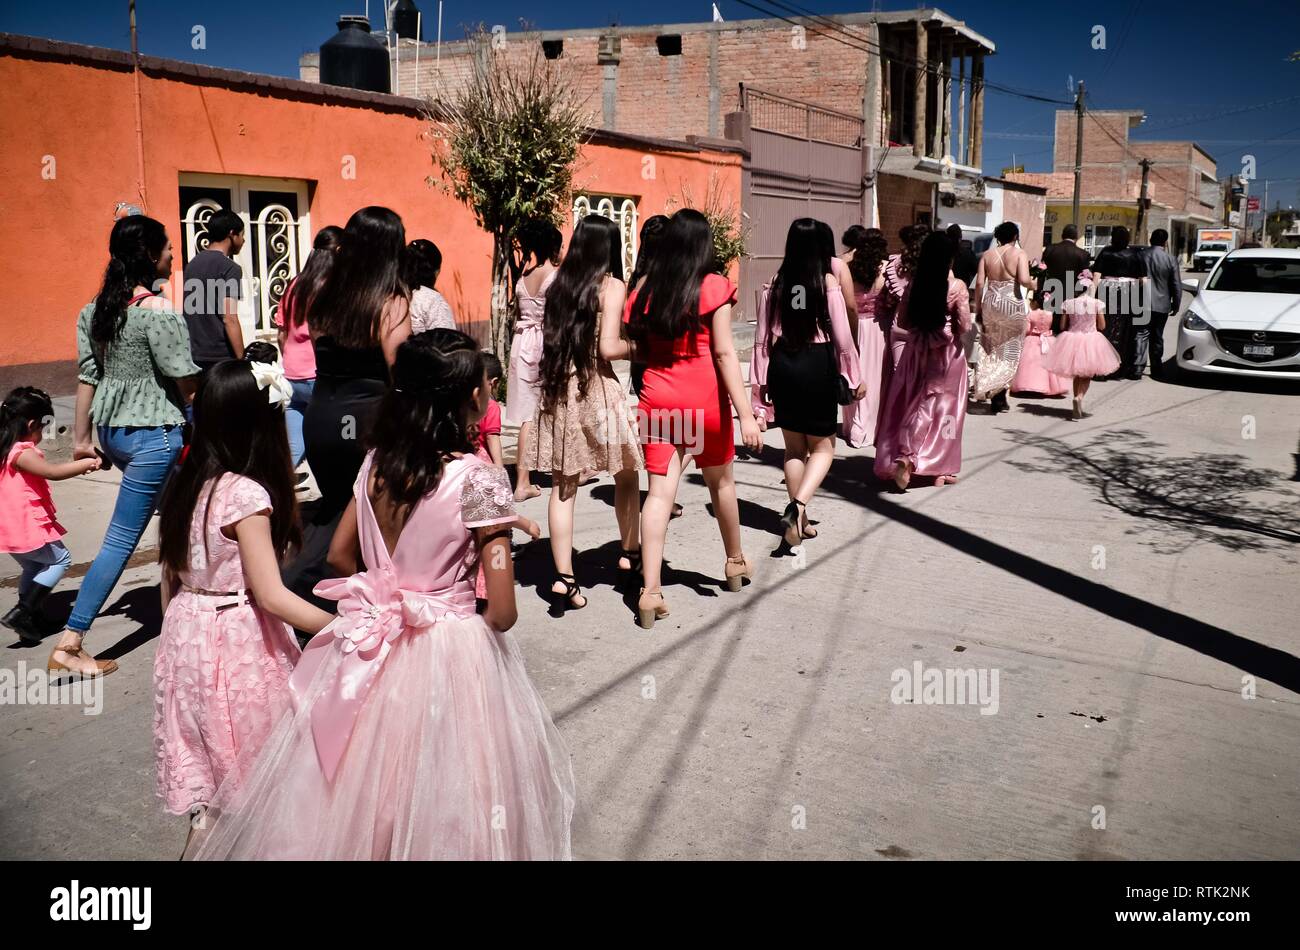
column 802, row 384
column 349, row 386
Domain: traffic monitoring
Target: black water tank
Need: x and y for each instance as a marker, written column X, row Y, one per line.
column 406, row 20
column 354, row 58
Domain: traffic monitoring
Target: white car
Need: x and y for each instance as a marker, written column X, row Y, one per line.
column 1244, row 318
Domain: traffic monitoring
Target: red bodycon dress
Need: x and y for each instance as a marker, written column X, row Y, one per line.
column 683, row 401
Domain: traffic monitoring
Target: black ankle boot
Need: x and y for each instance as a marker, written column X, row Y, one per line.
column 26, row 618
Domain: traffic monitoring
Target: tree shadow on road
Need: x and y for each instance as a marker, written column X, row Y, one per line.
column 1215, row 498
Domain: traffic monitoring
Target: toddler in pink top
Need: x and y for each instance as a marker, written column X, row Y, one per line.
column 29, row 530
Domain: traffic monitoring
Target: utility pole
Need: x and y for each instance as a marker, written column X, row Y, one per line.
column 1264, row 237
column 1078, row 153
column 1141, row 236
column 139, row 119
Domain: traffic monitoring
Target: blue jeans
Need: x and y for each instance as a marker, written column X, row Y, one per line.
column 302, row 389
column 45, row 566
column 146, row 457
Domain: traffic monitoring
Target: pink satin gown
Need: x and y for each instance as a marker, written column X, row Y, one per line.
column 1031, row 377
column 924, row 411
column 415, row 732
column 858, row 425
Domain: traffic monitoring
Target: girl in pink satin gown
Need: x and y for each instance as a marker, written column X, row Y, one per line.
column 226, row 651
column 867, row 269
column 925, row 408
column 1030, row 376
column 415, row 732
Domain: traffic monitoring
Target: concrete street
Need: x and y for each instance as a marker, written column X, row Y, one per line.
column 1126, row 577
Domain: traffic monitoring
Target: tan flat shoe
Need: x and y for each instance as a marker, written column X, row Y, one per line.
column 102, row 667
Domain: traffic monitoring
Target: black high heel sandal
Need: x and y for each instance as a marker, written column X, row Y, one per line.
column 790, row 523
column 634, row 562
column 563, row 600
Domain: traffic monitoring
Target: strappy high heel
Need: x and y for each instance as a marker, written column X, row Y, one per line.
column 634, row 563
column 790, row 523
column 648, row 610
column 564, row 600
column 736, row 570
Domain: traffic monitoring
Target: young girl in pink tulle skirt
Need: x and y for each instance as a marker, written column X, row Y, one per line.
column 1082, row 352
column 226, row 650
column 415, row 732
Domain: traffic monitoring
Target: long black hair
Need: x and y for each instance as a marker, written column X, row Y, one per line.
column 22, row 407
column 572, row 316
column 298, row 299
column 668, row 304
column 653, row 230
column 870, row 251
column 541, row 240
column 796, row 301
column 853, row 235
column 425, row 415
column 421, row 264
column 135, row 247
column 927, row 307
column 237, row 429
column 367, row 273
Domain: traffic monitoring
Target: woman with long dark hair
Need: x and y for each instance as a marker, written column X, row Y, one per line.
column 415, row 733
column 539, row 252
column 802, row 345
column 135, row 378
column 898, row 275
column 867, row 270
column 226, row 650
column 680, row 328
column 295, row 338
column 357, row 320
column 582, row 421
column 924, row 410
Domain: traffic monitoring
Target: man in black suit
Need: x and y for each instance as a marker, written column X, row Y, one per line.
column 1064, row 261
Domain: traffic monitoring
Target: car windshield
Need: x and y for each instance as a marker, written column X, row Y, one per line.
column 1257, row 275
column 1214, row 247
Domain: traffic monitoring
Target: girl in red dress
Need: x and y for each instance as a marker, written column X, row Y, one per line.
column 680, row 326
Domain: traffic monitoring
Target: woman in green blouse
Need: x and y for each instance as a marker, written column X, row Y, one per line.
column 135, row 378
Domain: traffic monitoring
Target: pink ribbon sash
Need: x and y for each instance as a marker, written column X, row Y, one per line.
column 373, row 612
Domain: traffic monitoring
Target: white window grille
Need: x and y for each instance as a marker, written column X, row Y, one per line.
column 622, row 211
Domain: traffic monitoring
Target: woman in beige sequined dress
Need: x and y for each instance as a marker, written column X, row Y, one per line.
column 1000, row 286
column 584, row 422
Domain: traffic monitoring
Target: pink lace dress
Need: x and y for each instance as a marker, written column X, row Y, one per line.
column 414, row 732
column 222, row 665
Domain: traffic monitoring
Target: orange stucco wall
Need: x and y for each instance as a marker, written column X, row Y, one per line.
column 54, row 230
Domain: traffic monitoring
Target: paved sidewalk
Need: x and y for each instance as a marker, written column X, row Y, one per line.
column 1121, row 575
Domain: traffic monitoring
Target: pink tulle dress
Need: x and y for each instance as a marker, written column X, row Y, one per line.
column 223, row 663
column 1082, row 351
column 1030, row 375
column 414, row 731
column 858, row 418
column 924, row 409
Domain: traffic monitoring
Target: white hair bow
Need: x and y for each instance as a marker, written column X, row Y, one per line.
column 270, row 376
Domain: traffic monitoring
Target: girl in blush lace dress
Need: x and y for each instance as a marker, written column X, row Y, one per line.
column 225, row 653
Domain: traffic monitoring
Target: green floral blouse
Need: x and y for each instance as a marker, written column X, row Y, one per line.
column 133, row 383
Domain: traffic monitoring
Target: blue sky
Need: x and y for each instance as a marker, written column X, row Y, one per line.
column 1186, row 64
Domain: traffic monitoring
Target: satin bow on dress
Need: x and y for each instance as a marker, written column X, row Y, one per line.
column 374, row 612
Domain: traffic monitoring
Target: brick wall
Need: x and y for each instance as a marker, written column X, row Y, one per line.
column 900, row 200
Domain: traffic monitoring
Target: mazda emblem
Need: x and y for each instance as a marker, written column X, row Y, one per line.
column 1259, row 336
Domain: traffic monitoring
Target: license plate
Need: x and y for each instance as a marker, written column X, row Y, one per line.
column 1256, row 349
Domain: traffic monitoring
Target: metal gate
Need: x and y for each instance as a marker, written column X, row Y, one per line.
column 276, row 230
column 804, row 161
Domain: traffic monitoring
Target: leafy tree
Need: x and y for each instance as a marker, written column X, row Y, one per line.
column 505, row 141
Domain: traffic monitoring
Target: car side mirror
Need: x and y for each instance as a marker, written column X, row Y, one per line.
column 1192, row 287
